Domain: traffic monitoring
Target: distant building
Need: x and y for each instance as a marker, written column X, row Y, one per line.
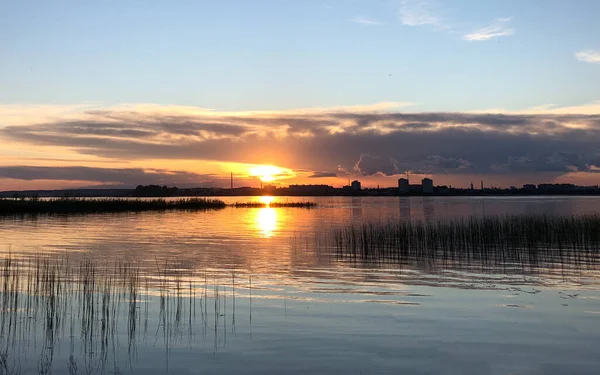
column 403, row 186
column 269, row 189
column 416, row 188
column 427, row 186
column 355, row 185
column 310, row 190
column 529, row 188
column 558, row 188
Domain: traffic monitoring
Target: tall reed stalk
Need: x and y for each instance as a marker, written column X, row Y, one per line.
column 509, row 239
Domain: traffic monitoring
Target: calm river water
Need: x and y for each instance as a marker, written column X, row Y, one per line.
column 257, row 291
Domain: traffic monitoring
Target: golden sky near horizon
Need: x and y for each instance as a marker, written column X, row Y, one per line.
column 49, row 147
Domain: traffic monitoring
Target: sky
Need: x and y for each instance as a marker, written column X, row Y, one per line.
column 114, row 93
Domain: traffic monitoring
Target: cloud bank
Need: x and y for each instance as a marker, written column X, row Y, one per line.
column 115, row 176
column 348, row 141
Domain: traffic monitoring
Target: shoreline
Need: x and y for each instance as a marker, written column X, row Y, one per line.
column 284, row 192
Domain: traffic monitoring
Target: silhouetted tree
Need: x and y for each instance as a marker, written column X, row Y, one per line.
column 155, row 191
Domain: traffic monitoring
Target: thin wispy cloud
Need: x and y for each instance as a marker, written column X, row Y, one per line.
column 420, row 13
column 589, row 56
column 365, row 21
column 497, row 29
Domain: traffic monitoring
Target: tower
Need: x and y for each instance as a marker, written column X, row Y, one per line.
column 427, row 186
column 403, row 186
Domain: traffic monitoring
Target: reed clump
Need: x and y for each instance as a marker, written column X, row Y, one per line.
column 82, row 205
column 509, row 239
column 9, row 206
column 275, row 204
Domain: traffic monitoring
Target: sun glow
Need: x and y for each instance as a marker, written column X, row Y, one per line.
column 266, row 221
column 267, row 199
column 267, row 173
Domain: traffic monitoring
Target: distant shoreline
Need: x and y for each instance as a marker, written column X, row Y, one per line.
column 282, row 192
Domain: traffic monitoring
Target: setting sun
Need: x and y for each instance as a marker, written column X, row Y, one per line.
column 267, row 173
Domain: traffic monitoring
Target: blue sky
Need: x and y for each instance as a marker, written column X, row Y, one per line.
column 258, row 55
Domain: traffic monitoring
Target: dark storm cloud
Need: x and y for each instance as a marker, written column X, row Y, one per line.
column 125, row 176
column 359, row 143
column 436, row 164
column 414, row 126
column 550, row 162
column 369, row 165
column 499, row 121
column 143, row 127
column 322, row 175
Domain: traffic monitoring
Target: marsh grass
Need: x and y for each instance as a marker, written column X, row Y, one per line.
column 76, row 205
column 9, row 206
column 93, row 305
column 522, row 240
column 275, row 205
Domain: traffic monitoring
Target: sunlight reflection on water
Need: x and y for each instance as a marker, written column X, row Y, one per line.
column 266, row 221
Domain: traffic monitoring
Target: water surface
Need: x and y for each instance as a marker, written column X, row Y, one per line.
column 245, row 290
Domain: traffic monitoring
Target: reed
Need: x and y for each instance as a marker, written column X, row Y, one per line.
column 94, row 305
column 509, row 239
column 275, row 205
column 9, row 206
column 76, row 205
